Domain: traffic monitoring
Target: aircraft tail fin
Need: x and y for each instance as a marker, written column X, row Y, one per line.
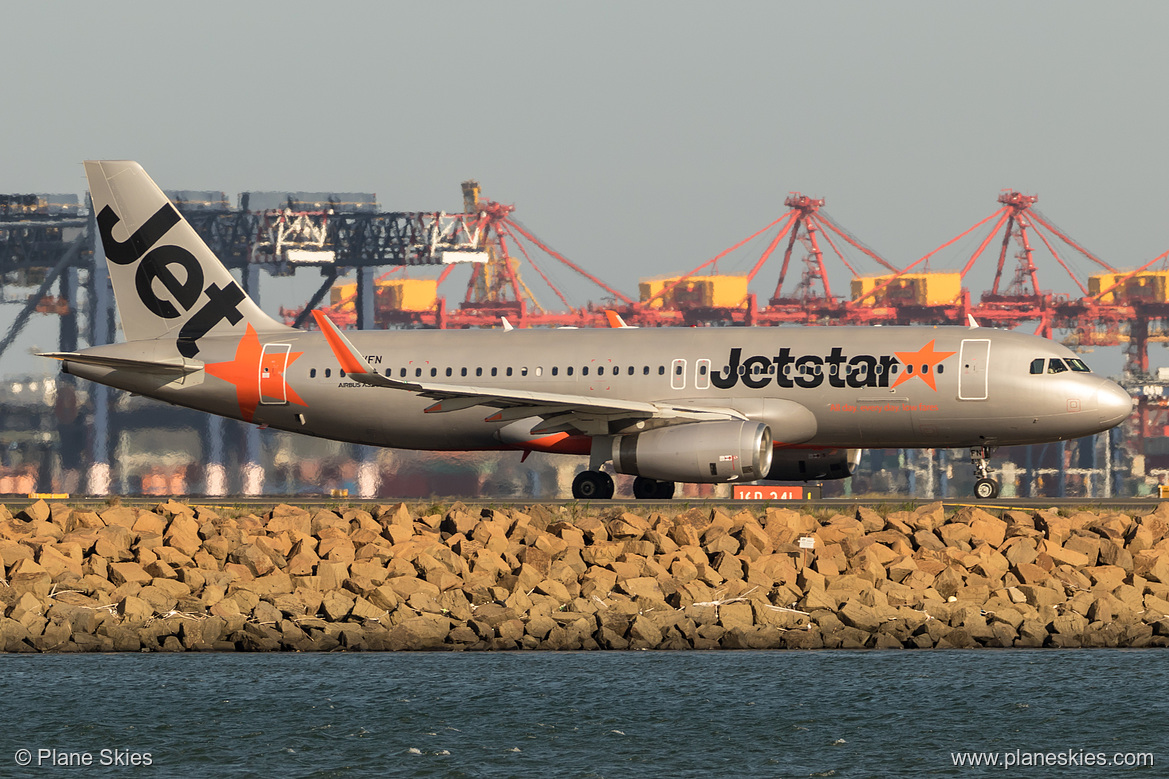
column 167, row 282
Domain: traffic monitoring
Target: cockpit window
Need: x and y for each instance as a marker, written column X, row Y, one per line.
column 1037, row 365
column 1078, row 365
column 1056, row 366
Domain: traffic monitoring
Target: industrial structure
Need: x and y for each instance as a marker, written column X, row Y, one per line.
column 406, row 261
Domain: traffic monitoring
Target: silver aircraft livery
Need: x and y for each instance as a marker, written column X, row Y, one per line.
column 665, row 405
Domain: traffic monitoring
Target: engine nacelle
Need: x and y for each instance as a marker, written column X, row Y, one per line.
column 710, row 452
column 813, row 464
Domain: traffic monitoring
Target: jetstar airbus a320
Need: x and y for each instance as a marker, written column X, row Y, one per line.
column 665, row 405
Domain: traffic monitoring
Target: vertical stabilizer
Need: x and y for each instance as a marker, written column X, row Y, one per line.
column 167, row 282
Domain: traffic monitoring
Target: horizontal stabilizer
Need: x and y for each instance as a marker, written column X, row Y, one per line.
column 179, row 365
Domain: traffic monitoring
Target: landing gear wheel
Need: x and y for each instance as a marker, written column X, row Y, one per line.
column 645, row 489
column 652, row 489
column 986, row 489
column 592, row 485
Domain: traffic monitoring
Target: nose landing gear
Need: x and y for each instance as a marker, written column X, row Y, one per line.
column 985, row 488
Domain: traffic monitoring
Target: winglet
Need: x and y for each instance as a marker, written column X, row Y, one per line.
column 507, row 326
column 972, row 321
column 350, row 359
column 616, row 321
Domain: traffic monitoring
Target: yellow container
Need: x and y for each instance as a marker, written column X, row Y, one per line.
column 343, row 295
column 392, row 294
column 696, row 292
column 650, row 287
column 922, row 289
column 408, row 294
column 1148, row 286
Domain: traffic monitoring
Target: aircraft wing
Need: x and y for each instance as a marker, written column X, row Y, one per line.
column 561, row 412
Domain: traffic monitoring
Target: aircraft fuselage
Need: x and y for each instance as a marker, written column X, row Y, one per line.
column 864, row 387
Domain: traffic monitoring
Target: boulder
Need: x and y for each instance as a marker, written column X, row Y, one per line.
column 129, row 572
column 418, row 633
column 35, row 512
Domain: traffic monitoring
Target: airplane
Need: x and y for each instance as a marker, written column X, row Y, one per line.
column 706, row 405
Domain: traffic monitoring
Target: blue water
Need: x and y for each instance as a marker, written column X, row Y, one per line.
column 583, row 714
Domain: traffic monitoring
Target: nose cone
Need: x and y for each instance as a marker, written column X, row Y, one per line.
column 1113, row 404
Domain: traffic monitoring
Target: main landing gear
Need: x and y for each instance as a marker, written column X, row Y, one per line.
column 985, row 488
column 652, row 489
column 592, row 485
column 598, row 485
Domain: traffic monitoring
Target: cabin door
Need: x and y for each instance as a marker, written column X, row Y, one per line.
column 974, row 379
column 273, row 362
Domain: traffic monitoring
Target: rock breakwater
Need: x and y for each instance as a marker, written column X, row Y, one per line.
column 188, row 577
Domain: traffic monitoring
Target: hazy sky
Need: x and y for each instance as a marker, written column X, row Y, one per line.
column 637, row 138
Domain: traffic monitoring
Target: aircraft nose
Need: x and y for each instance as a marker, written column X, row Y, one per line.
column 1114, row 404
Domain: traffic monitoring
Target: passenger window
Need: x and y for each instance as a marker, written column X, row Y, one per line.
column 402, row 373
column 601, row 370
column 645, row 370
column 494, row 371
column 678, row 369
column 1056, row 366
column 313, row 373
column 464, row 372
column 342, row 374
column 539, row 371
column 941, row 368
column 702, row 370
column 433, row 372
column 630, row 370
column 328, row 371
column 478, row 371
column 568, row 370
column 448, row 371
column 584, row 371
column 509, row 371
column 523, row 371
column 1037, row 365
column 417, row 372
column 661, row 370
column 909, row 369
column 555, row 370
column 389, row 372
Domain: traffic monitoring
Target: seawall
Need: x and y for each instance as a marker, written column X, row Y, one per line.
column 189, row 577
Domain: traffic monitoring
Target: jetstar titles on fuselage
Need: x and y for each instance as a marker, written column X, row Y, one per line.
column 838, row 369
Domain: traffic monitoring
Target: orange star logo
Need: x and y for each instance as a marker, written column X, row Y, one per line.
column 921, row 364
column 254, row 371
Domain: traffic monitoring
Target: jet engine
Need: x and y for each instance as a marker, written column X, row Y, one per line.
column 813, row 464
column 696, row 452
